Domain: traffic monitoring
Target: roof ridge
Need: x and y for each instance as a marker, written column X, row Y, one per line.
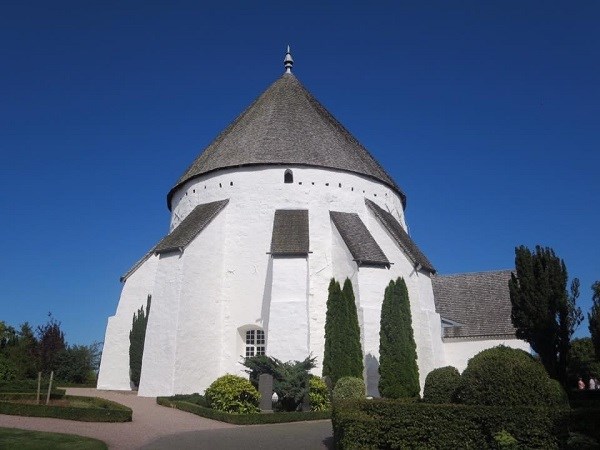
column 480, row 272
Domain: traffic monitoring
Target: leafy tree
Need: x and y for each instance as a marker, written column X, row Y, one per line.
column 24, row 353
column 51, row 342
column 543, row 312
column 399, row 374
column 582, row 360
column 594, row 318
column 290, row 379
column 137, row 336
column 77, row 363
column 343, row 353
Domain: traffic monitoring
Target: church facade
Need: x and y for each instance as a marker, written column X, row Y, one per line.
column 282, row 201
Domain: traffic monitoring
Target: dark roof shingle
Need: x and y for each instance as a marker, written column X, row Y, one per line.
column 181, row 236
column 286, row 125
column 358, row 239
column 401, row 237
column 190, row 227
column 290, row 232
column 479, row 302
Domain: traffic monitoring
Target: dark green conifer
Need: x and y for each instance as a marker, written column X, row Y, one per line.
column 354, row 349
column 399, row 374
column 137, row 336
column 333, row 346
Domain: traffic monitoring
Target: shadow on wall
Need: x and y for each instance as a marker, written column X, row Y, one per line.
column 372, row 375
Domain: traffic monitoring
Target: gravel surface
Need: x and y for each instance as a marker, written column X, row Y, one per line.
column 150, row 421
column 157, row 427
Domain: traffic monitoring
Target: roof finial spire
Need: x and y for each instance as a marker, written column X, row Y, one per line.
column 288, row 62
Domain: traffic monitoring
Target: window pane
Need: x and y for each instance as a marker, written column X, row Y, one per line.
column 260, row 351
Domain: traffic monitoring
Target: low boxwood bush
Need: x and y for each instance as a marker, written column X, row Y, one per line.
column 232, row 394
column 348, row 388
column 241, row 419
column 387, row 424
column 318, row 394
column 503, row 376
column 99, row 410
column 441, row 384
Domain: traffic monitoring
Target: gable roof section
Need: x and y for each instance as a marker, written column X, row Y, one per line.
column 188, row 229
column 358, row 239
column 401, row 237
column 478, row 302
column 290, row 232
column 286, row 125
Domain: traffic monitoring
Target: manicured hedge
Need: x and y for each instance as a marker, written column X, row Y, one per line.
column 26, row 386
column 586, row 421
column 242, row 419
column 441, row 384
column 389, row 424
column 101, row 411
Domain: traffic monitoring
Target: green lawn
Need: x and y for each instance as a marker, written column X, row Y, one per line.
column 37, row 440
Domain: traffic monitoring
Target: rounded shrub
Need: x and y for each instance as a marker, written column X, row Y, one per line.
column 232, row 394
column 318, row 394
column 440, row 385
column 503, row 376
column 349, row 388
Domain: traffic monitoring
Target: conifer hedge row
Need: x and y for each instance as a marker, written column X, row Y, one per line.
column 386, row 424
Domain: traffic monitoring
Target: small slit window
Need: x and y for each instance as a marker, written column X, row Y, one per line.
column 255, row 343
column 288, row 176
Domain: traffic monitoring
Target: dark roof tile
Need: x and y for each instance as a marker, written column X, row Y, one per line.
column 479, row 302
column 290, row 232
column 401, row 237
column 358, row 239
column 286, row 125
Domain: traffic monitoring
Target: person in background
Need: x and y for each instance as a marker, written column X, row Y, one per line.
column 592, row 384
column 580, row 384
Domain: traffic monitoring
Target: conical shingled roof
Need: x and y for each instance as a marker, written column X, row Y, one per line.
column 286, row 125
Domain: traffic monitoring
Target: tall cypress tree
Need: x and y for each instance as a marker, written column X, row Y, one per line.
column 333, row 345
column 343, row 353
column 399, row 374
column 353, row 347
column 137, row 336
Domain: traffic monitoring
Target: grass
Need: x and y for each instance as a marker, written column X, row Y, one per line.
column 37, row 440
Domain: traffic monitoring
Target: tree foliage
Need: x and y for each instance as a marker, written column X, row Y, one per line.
column 543, row 312
column 399, row 374
column 594, row 318
column 78, row 363
column 290, row 379
column 51, row 342
column 503, row 376
column 343, row 351
column 137, row 336
column 441, row 384
column 582, row 360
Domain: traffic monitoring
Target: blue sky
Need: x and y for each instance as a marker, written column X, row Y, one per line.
column 485, row 113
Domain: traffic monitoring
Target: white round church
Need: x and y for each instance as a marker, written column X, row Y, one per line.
column 283, row 200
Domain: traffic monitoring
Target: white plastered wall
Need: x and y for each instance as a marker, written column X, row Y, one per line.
column 458, row 352
column 287, row 333
column 240, row 279
column 114, row 366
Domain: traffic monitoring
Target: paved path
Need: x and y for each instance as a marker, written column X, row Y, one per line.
column 158, row 427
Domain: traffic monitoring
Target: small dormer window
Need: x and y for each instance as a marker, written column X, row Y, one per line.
column 288, row 176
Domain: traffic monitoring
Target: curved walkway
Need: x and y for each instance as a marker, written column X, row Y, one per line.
column 158, row 427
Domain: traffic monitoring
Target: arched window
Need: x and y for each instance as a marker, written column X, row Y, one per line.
column 288, row 176
column 255, row 342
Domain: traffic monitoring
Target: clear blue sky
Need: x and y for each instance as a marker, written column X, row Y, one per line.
column 487, row 115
